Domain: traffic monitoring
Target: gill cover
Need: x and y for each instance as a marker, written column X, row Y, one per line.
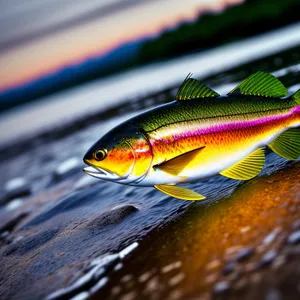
column 128, row 155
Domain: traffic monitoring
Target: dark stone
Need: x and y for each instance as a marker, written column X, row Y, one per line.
column 244, row 254
column 294, row 238
column 273, row 294
column 11, row 223
column 100, row 266
column 296, row 224
column 14, row 188
column 67, row 168
column 229, row 268
column 3, row 235
column 221, row 288
column 111, row 217
column 33, row 242
column 2, row 197
column 268, row 258
column 70, row 202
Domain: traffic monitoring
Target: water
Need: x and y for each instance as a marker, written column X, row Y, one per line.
column 69, row 105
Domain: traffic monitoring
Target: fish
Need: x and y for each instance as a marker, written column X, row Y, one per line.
column 200, row 135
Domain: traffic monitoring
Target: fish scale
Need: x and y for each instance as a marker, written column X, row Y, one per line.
column 199, row 135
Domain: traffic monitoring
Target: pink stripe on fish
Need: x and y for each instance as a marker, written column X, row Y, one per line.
column 296, row 109
column 186, row 132
column 232, row 126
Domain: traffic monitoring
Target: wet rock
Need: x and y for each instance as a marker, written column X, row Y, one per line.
column 215, row 264
column 2, row 196
column 126, row 278
column 145, row 277
column 22, row 245
column 176, row 279
column 4, row 234
column 114, row 216
column 211, row 278
column 101, row 283
column 118, row 267
column 94, row 279
column 268, row 258
column 67, row 168
column 296, row 224
column 71, row 202
column 14, row 188
column 14, row 204
column 232, row 251
column 293, row 251
column 4, row 237
column 279, row 261
column 81, row 284
column 81, row 296
column 106, row 261
column 241, row 284
column 271, row 236
column 10, row 223
column 85, row 182
column 221, row 288
column 294, row 238
column 152, row 285
column 125, row 252
column 171, row 267
column 229, row 268
column 273, row 294
column 245, row 229
column 244, row 254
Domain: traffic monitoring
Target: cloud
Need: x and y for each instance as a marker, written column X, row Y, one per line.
column 25, row 21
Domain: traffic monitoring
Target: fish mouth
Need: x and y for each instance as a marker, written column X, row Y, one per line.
column 100, row 173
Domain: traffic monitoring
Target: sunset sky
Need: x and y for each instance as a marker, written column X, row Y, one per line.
column 40, row 37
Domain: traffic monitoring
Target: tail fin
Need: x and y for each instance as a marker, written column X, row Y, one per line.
column 296, row 97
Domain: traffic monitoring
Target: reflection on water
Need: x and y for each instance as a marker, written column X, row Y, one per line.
column 188, row 256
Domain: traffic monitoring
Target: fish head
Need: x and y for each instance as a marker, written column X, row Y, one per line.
column 122, row 155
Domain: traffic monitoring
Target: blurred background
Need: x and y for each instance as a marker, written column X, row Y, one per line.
column 69, row 72
column 50, row 46
column 47, row 46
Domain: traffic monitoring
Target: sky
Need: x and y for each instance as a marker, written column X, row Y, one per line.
column 40, row 37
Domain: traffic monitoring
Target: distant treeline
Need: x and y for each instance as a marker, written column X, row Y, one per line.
column 210, row 30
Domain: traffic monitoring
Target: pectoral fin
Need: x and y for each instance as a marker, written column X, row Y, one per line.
column 248, row 167
column 175, row 165
column 178, row 192
column 287, row 144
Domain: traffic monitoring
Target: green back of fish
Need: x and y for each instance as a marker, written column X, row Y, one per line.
column 209, row 108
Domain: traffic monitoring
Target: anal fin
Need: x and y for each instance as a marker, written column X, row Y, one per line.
column 179, row 192
column 175, row 165
column 287, row 144
column 248, row 167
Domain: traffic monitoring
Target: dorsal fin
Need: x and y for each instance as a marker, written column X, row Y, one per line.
column 193, row 89
column 296, row 97
column 261, row 84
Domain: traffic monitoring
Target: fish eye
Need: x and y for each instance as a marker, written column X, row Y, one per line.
column 100, row 154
